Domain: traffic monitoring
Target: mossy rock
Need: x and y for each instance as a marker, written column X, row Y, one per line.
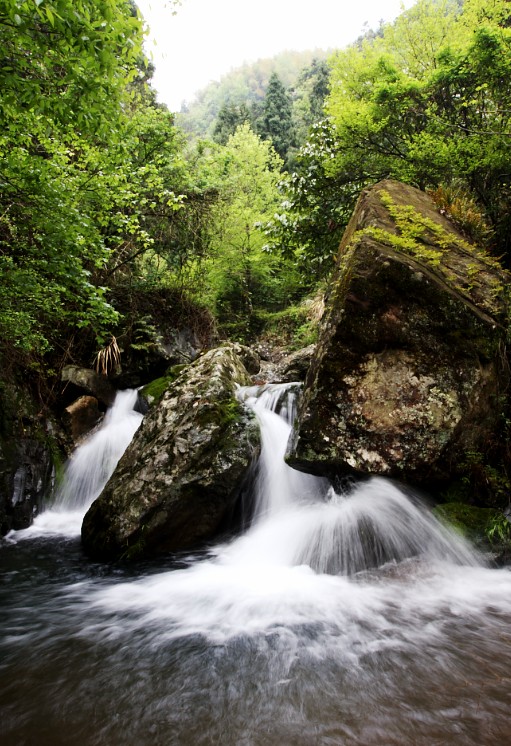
column 487, row 528
column 178, row 482
column 153, row 391
column 410, row 368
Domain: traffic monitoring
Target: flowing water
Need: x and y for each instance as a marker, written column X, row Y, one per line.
column 335, row 619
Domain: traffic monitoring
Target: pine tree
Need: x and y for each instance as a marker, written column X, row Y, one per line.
column 276, row 122
column 230, row 117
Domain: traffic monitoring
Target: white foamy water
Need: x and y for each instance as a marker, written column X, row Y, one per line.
column 87, row 471
column 337, row 619
column 310, row 555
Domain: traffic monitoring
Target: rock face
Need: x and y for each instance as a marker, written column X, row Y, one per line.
column 25, row 477
column 409, row 367
column 84, row 378
column 179, row 478
column 294, row 367
column 30, row 446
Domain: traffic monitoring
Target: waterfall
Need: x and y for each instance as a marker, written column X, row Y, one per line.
column 92, row 464
column 277, row 486
column 89, row 468
column 300, row 520
column 350, row 618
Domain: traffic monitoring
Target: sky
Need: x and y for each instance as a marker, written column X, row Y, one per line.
column 206, row 39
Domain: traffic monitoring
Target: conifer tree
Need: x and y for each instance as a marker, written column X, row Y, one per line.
column 230, row 117
column 276, row 123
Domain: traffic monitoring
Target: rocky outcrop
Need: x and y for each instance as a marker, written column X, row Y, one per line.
column 31, row 446
column 294, row 367
column 90, row 381
column 179, row 478
column 25, row 476
column 160, row 349
column 409, row 368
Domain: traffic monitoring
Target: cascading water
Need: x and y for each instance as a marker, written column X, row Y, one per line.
column 300, row 520
column 277, row 487
column 89, row 468
column 335, row 619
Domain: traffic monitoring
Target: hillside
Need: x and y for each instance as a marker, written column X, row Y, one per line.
column 243, row 85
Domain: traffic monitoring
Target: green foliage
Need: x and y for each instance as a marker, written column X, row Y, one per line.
column 427, row 102
column 314, row 209
column 66, row 68
column 498, row 529
column 291, row 327
column 95, row 191
column 244, row 86
column 308, row 96
column 238, row 275
column 480, row 525
column 230, row 117
column 276, row 122
column 460, row 207
column 67, row 61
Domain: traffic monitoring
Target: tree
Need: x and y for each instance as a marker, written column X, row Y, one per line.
column 66, row 67
column 90, row 167
column 427, row 101
column 241, row 277
column 276, row 122
column 309, row 97
column 314, row 208
column 433, row 109
column 230, row 117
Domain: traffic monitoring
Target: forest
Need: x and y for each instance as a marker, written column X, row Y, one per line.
column 229, row 213
column 255, row 411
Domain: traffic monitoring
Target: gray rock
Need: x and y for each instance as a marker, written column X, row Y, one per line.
column 294, row 367
column 90, row 381
column 179, row 478
column 31, row 447
column 409, row 367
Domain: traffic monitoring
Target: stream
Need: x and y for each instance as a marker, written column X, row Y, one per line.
column 344, row 619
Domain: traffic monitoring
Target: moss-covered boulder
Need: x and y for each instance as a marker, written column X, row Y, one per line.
column 488, row 529
column 178, row 480
column 409, row 370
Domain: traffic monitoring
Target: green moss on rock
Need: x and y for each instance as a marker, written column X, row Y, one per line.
column 410, row 365
column 487, row 528
column 179, row 478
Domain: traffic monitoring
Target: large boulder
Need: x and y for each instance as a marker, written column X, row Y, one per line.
column 179, row 478
column 410, row 368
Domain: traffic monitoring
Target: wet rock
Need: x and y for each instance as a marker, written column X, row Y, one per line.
column 80, row 417
column 25, row 475
column 31, row 446
column 250, row 358
column 179, row 478
column 90, row 381
column 294, row 367
column 163, row 348
column 410, row 364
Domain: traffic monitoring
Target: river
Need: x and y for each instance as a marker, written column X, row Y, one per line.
column 349, row 618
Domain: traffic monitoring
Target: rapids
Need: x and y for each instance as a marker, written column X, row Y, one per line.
column 348, row 618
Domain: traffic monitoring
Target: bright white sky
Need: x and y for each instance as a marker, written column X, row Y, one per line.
column 208, row 38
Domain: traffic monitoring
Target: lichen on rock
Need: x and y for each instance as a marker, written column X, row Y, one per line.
column 180, row 476
column 409, row 366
